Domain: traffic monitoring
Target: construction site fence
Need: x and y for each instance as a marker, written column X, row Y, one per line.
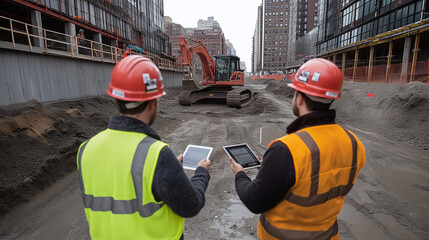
column 378, row 74
column 381, row 74
column 24, row 36
column 274, row 77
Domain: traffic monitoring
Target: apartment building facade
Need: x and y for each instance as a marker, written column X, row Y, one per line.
column 275, row 35
column 257, row 41
column 174, row 31
column 302, row 19
column 210, row 34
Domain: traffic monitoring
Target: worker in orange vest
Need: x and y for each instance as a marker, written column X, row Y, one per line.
column 126, row 53
column 306, row 174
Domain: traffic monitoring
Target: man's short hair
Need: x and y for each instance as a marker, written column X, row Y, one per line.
column 126, row 107
column 313, row 105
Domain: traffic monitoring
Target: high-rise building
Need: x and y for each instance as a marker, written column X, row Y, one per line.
column 275, row 32
column 174, row 31
column 257, row 41
column 210, row 34
column 302, row 19
column 213, row 38
column 209, row 23
column 230, row 50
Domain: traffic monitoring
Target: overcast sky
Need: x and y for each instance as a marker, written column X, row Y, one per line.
column 237, row 19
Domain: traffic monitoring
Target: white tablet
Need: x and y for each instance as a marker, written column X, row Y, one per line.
column 194, row 154
column 243, row 155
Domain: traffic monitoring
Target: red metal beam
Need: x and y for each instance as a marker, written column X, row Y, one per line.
column 54, row 14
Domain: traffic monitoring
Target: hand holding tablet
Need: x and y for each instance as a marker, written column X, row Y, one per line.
column 240, row 153
column 194, row 154
column 243, row 155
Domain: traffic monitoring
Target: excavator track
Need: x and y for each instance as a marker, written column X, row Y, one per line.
column 238, row 97
column 185, row 98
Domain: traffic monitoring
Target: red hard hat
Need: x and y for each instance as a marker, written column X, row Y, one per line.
column 136, row 78
column 319, row 77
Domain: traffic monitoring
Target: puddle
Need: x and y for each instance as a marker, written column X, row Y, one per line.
column 237, row 222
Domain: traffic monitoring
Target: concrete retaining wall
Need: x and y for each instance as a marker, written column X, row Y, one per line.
column 25, row 76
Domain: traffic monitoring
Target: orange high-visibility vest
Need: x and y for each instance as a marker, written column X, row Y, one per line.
column 327, row 160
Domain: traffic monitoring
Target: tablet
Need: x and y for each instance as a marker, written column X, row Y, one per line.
column 194, row 154
column 243, row 155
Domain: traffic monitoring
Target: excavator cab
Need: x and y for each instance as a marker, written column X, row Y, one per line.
column 226, row 66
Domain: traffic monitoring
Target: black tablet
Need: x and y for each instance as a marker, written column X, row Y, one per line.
column 194, row 154
column 243, row 155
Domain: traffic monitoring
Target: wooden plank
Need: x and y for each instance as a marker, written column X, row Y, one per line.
column 355, row 63
column 389, row 61
column 415, row 53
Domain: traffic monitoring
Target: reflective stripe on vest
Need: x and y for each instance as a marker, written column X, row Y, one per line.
column 315, row 198
column 123, row 206
column 294, row 234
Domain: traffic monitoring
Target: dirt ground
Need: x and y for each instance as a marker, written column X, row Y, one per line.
column 40, row 198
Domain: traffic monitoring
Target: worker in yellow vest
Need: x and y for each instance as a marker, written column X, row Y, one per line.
column 306, row 174
column 133, row 186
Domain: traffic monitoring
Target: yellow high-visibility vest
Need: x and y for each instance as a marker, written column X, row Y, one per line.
column 327, row 160
column 116, row 170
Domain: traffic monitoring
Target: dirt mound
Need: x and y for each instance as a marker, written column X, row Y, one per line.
column 280, row 87
column 397, row 111
column 32, row 123
column 38, row 143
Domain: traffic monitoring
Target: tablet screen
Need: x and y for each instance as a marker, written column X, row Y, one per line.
column 243, row 155
column 194, row 154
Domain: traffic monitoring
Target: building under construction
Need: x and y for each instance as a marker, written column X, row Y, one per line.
column 66, row 49
column 136, row 24
column 376, row 40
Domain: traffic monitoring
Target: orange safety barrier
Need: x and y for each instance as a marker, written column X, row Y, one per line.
column 379, row 73
column 274, row 76
column 361, row 74
column 395, row 73
column 348, row 73
column 422, row 72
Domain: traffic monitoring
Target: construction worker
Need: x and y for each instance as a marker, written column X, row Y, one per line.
column 81, row 40
column 133, row 186
column 126, row 53
column 306, row 174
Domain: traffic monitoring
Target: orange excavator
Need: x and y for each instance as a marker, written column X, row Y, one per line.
column 220, row 75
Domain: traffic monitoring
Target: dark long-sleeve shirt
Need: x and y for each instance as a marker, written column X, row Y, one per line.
column 277, row 173
column 170, row 183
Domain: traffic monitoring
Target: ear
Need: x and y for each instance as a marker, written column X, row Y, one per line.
column 299, row 99
column 152, row 104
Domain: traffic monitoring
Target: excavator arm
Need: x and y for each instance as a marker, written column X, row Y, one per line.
column 198, row 48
